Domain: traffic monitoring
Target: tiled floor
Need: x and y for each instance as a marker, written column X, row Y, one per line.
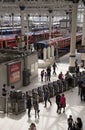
column 49, row 119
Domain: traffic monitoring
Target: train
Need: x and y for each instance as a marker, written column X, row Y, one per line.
column 9, row 31
column 61, row 43
column 30, row 38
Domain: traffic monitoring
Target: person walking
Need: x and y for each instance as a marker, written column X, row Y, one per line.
column 47, row 97
column 48, row 73
column 4, row 90
column 69, row 79
column 36, row 108
column 70, row 122
column 78, row 124
column 63, row 102
column 45, row 76
column 42, row 75
column 54, row 68
column 32, row 126
column 58, row 102
column 29, row 105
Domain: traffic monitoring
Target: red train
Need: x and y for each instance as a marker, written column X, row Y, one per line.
column 12, row 40
column 62, row 43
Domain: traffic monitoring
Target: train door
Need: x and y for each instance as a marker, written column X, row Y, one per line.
column 4, row 44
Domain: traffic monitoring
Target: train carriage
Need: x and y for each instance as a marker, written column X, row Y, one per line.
column 62, row 44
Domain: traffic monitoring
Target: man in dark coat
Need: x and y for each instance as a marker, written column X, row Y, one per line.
column 29, row 105
column 58, row 102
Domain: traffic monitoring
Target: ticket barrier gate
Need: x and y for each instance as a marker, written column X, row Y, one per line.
column 34, row 95
column 2, row 104
column 16, row 103
column 60, row 86
column 64, row 85
column 55, row 87
column 44, row 87
column 40, row 94
column 51, row 90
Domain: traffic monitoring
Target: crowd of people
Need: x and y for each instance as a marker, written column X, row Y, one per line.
column 61, row 103
column 5, row 89
column 74, row 125
column 60, row 98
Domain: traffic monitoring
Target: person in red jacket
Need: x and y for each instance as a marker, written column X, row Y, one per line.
column 62, row 102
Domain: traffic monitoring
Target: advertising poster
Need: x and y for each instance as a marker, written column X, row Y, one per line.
column 14, row 72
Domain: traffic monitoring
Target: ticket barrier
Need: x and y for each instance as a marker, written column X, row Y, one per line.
column 34, row 95
column 60, row 86
column 40, row 94
column 2, row 104
column 55, row 87
column 16, row 103
column 51, row 90
column 64, row 85
column 44, row 87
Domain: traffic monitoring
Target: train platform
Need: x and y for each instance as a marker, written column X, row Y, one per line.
column 49, row 119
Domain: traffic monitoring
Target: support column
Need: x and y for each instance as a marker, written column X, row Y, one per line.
column 22, row 26
column 10, row 22
column 28, row 30
column 83, row 39
column 44, row 54
column 22, row 19
column 52, row 51
column 28, row 23
column 50, row 23
column 49, row 52
column 73, row 38
column 13, row 21
column 70, row 21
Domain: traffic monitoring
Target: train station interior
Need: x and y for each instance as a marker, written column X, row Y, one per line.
column 41, row 40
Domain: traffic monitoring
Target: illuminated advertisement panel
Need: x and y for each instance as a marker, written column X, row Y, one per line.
column 14, row 72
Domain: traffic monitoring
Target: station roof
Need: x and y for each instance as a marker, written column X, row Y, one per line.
column 38, row 7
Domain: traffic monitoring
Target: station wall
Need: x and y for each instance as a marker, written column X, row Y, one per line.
column 30, row 62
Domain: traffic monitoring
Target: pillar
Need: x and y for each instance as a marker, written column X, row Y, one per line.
column 70, row 21
column 13, row 20
column 83, row 39
column 50, row 23
column 28, row 30
column 53, row 23
column 49, row 52
column 28, row 23
column 22, row 19
column 1, row 23
column 44, row 53
column 52, row 51
column 73, row 38
column 21, row 45
column 10, row 22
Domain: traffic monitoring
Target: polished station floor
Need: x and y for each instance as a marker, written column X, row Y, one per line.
column 49, row 119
